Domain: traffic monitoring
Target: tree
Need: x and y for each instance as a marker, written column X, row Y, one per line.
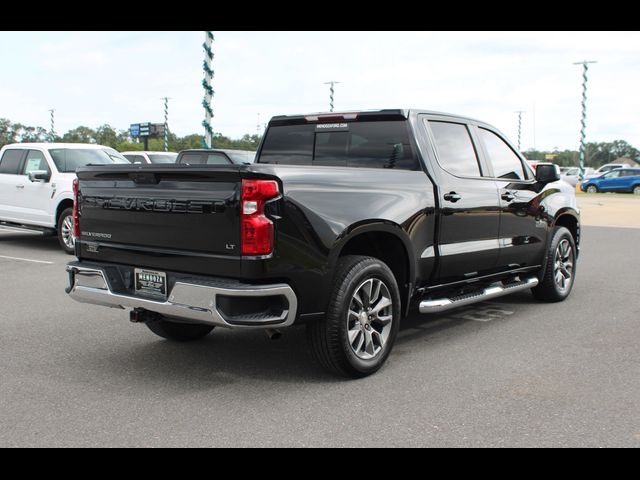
column 106, row 135
column 7, row 132
column 80, row 135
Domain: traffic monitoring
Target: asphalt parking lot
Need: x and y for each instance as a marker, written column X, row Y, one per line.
column 512, row 372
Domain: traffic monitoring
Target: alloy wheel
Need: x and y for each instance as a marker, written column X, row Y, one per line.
column 563, row 269
column 369, row 318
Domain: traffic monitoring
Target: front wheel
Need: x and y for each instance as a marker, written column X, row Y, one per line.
column 359, row 329
column 592, row 189
column 560, row 270
column 180, row 332
column 636, row 190
column 65, row 231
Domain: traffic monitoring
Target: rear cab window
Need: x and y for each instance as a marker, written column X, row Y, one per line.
column 363, row 144
column 11, row 161
column 456, row 153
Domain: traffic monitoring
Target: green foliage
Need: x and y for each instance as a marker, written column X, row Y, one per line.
column 596, row 154
column 80, row 135
column 119, row 139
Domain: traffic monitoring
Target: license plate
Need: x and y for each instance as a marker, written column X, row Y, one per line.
column 151, row 283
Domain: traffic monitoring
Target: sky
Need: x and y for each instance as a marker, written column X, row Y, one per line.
column 120, row 78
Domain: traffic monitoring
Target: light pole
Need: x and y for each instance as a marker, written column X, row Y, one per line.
column 166, row 123
column 519, row 112
column 332, row 83
column 583, row 121
column 53, row 130
column 208, row 90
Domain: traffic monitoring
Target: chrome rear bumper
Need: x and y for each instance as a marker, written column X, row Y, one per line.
column 196, row 302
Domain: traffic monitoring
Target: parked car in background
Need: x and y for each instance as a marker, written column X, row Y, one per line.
column 532, row 164
column 607, row 168
column 36, row 184
column 216, row 157
column 150, row 157
column 572, row 175
column 618, row 180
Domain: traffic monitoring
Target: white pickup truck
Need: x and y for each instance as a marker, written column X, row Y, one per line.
column 36, row 184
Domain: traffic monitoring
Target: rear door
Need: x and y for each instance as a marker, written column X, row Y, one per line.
column 469, row 205
column 11, row 184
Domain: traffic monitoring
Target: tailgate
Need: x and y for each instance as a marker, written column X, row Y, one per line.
column 173, row 211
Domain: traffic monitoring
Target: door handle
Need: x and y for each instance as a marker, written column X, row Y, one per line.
column 452, row 197
column 19, row 186
column 508, row 196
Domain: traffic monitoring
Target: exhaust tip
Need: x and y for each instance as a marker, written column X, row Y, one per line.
column 273, row 334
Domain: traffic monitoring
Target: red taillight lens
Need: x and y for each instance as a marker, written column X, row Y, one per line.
column 76, row 216
column 256, row 228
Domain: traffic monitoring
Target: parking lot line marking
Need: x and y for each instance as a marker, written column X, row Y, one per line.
column 27, row 260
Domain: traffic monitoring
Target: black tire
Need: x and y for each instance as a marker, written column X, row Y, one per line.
column 636, row 190
column 177, row 331
column 550, row 287
column 591, row 189
column 329, row 337
column 65, row 222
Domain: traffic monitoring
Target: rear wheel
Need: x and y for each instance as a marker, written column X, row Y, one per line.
column 357, row 334
column 65, row 231
column 636, row 190
column 560, row 270
column 592, row 189
column 177, row 331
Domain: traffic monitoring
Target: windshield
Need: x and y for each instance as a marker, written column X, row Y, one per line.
column 572, row 171
column 116, row 156
column 68, row 160
column 162, row 157
column 241, row 157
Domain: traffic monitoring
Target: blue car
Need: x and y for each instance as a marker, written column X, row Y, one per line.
column 619, row 180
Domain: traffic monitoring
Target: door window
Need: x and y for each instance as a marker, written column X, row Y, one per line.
column 456, row 153
column 35, row 162
column 505, row 162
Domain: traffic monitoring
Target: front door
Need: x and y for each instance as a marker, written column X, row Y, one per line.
column 522, row 233
column 36, row 196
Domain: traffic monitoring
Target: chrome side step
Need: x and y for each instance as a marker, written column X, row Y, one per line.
column 436, row 305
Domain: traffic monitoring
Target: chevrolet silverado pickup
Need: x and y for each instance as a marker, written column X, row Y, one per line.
column 346, row 223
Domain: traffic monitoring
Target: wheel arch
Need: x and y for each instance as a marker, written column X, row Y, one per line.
column 569, row 219
column 63, row 205
column 386, row 241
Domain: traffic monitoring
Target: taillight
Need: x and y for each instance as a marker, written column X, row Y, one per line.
column 76, row 216
column 257, row 230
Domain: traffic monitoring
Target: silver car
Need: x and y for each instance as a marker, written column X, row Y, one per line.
column 572, row 175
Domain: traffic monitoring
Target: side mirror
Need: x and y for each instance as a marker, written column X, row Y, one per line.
column 547, row 172
column 39, row 176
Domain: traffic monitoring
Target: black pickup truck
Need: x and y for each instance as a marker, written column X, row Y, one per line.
column 346, row 222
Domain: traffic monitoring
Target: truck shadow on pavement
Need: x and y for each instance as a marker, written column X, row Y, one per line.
column 227, row 357
column 36, row 241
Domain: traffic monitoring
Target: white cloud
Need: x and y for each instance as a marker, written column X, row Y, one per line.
column 119, row 78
